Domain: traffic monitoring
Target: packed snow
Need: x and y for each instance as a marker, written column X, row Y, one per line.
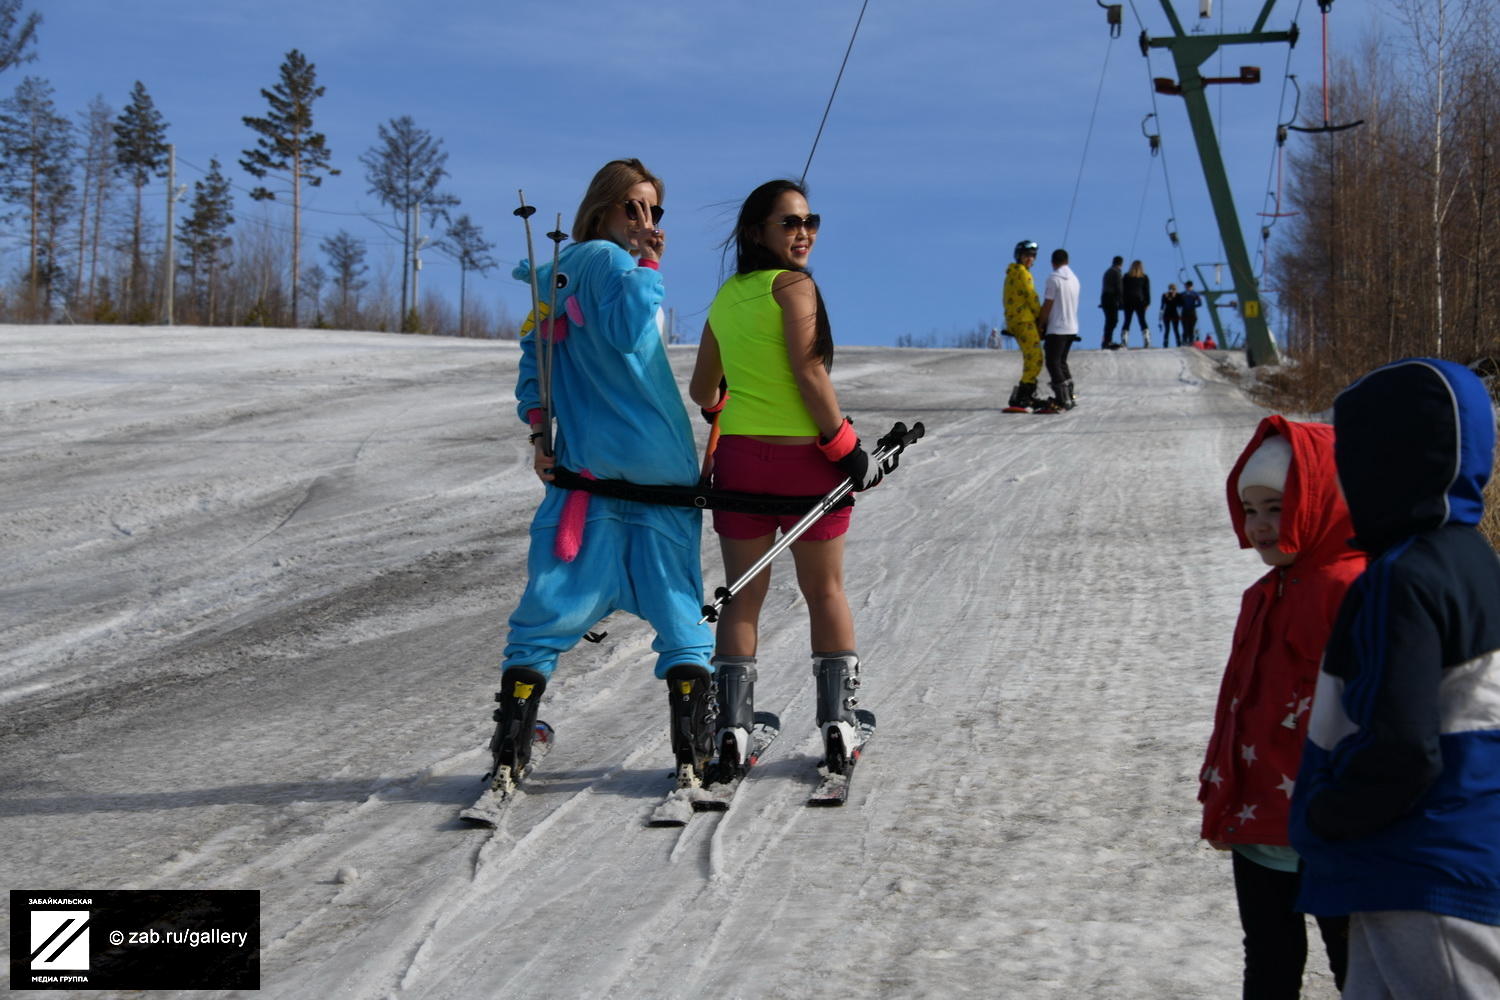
column 254, row 592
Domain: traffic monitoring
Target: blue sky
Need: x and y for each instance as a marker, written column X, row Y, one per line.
column 959, row 127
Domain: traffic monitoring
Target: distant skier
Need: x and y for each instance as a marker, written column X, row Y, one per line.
column 1023, row 310
column 1111, row 297
column 1136, row 295
column 1284, row 503
column 619, row 416
column 782, row 432
column 1187, row 308
column 1171, row 317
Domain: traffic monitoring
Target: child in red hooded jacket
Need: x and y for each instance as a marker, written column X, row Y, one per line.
column 1285, row 503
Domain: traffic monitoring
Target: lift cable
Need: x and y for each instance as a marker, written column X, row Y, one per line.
column 829, row 107
column 1068, row 226
column 1165, row 170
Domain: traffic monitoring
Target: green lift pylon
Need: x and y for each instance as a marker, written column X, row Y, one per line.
column 1189, row 52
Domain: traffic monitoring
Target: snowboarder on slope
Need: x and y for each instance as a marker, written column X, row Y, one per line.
column 1022, row 311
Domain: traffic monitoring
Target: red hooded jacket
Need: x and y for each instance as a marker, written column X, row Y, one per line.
column 1285, row 619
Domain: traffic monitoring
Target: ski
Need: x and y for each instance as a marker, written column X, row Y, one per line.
column 711, row 793
column 833, row 788
column 502, row 785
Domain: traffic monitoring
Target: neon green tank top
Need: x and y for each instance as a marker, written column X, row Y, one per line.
column 763, row 396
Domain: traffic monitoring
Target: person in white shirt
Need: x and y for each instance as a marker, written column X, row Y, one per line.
column 1059, row 321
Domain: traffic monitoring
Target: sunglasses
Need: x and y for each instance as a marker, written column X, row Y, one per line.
column 810, row 222
column 656, row 212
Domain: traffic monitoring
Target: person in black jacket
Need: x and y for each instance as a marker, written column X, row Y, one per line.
column 1136, row 294
column 1110, row 299
column 1171, row 319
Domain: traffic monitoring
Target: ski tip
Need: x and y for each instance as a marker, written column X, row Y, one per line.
column 770, row 719
column 675, row 811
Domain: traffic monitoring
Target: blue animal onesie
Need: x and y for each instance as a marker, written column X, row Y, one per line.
column 619, row 416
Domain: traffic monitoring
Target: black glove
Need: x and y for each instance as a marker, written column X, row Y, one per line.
column 853, row 460
column 857, row 466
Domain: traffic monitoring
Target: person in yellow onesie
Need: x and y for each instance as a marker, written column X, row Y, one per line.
column 1022, row 308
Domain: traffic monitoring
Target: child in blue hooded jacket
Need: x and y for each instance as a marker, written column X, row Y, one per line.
column 1396, row 811
column 619, row 416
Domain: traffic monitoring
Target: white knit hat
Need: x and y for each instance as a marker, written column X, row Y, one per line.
column 1268, row 466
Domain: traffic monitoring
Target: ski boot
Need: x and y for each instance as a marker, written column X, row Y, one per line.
column 515, row 727
column 1022, row 398
column 690, row 696
column 1070, row 400
column 1058, row 403
column 734, row 683
column 837, row 677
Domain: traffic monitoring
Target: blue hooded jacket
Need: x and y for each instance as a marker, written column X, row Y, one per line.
column 619, row 411
column 1397, row 803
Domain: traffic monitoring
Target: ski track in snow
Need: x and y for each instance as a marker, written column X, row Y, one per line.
column 256, row 584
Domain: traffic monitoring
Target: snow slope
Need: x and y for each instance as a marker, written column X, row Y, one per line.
column 254, row 588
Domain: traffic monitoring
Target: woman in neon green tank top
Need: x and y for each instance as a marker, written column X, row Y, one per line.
column 782, row 432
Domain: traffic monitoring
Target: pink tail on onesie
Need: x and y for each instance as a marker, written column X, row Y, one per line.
column 569, row 537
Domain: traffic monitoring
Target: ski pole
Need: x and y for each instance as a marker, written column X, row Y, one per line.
column 549, row 343
column 889, row 446
column 544, row 377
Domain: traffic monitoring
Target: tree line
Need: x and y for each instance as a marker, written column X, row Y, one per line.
column 1395, row 250
column 78, row 189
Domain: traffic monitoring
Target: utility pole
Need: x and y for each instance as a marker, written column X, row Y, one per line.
column 416, row 265
column 1190, row 51
column 171, row 272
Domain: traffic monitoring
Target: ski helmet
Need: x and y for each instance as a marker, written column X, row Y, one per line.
column 1025, row 248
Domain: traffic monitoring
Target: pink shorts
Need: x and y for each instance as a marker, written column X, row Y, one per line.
column 786, row 470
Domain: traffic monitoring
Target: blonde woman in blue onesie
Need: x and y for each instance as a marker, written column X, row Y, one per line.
column 619, row 416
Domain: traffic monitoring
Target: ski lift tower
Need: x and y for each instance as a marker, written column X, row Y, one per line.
column 1189, row 52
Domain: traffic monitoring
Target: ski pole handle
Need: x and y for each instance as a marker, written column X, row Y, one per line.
column 888, row 447
column 544, row 373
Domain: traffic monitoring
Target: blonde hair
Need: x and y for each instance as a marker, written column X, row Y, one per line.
column 608, row 188
column 1136, row 270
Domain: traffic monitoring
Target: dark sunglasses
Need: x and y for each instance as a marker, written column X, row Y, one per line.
column 656, row 212
column 810, row 223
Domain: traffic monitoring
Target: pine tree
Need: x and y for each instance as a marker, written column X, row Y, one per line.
column 404, row 170
column 465, row 243
column 17, row 34
column 36, row 164
column 141, row 152
column 287, row 145
column 346, row 258
column 205, row 235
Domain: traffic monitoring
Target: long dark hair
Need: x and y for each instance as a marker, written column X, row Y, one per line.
column 750, row 254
